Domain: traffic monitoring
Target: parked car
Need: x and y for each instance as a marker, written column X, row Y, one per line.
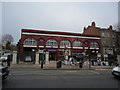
column 116, row 71
column 4, row 69
column 28, row 58
column 4, row 57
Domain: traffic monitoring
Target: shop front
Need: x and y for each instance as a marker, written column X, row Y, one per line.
column 78, row 54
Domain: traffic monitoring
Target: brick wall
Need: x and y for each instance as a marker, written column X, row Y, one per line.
column 92, row 30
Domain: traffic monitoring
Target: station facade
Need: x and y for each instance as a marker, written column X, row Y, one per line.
column 58, row 45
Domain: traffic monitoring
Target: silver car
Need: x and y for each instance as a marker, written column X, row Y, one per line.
column 116, row 71
column 4, row 69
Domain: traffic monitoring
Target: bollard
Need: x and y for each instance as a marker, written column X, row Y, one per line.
column 59, row 64
column 80, row 65
column 42, row 64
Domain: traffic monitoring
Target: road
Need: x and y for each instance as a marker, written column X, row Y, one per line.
column 37, row 78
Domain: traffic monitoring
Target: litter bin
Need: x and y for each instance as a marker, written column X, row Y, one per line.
column 59, row 64
column 80, row 64
column 42, row 63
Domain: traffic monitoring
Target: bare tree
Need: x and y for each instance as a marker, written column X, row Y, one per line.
column 7, row 38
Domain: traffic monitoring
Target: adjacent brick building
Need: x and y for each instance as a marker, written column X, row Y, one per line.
column 109, row 41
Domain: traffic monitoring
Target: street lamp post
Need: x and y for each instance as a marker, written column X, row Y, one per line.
column 42, row 62
column 89, row 62
column 89, row 58
column 33, row 56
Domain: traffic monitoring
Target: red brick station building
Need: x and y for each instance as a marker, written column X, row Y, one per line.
column 55, row 45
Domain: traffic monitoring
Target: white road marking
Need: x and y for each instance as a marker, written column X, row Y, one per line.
column 95, row 72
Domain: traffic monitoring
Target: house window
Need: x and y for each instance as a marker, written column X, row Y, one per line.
column 30, row 41
column 94, row 44
column 113, row 43
column 103, row 34
column 51, row 42
column 113, row 35
column 108, row 42
column 108, row 35
column 77, row 43
column 65, row 43
column 104, row 42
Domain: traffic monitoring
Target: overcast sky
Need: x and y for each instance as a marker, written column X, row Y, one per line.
column 59, row 16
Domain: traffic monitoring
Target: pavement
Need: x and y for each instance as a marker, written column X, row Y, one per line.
column 52, row 66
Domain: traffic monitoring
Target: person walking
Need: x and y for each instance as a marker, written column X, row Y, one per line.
column 8, row 60
column 110, row 63
column 98, row 62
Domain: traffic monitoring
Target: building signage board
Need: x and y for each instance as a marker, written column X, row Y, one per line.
column 52, row 50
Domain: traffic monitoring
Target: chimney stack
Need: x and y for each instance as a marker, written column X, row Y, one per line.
column 93, row 24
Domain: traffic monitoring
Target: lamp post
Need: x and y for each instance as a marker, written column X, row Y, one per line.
column 42, row 59
column 33, row 55
column 66, row 53
column 89, row 58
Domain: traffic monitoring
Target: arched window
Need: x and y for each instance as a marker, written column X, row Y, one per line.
column 51, row 42
column 77, row 43
column 94, row 44
column 65, row 43
column 30, row 41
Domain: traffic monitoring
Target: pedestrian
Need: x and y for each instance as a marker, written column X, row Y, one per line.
column 75, row 61
column 92, row 62
column 98, row 61
column 103, row 63
column 117, row 64
column 110, row 63
column 72, row 60
column 8, row 60
column 42, row 64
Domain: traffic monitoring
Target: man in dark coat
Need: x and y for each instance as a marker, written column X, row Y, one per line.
column 8, row 60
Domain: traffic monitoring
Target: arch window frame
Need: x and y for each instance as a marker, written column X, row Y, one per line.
column 77, row 43
column 51, row 42
column 94, row 44
column 65, row 43
column 30, row 41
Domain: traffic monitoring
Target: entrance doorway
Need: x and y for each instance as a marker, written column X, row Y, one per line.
column 52, row 56
column 29, row 54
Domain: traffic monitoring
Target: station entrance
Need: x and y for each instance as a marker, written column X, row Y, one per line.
column 52, row 56
column 29, row 55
